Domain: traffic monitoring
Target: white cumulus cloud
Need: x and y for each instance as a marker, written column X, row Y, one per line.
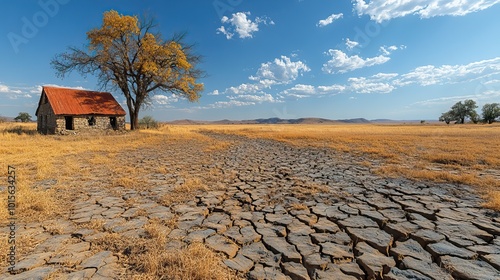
column 164, row 99
column 381, row 10
column 303, row 91
column 282, row 70
column 367, row 85
column 342, row 63
column 241, row 24
column 329, row 20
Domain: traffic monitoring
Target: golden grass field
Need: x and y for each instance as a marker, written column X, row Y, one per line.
column 459, row 154
column 44, row 157
column 463, row 154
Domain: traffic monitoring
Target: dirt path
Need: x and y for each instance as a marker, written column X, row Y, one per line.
column 283, row 213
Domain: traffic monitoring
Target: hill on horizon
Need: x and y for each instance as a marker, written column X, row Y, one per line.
column 274, row 121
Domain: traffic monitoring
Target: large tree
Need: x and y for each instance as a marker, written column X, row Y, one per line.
column 460, row 111
column 491, row 112
column 125, row 54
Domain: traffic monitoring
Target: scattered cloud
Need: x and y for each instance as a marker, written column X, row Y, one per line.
column 241, row 24
column 333, row 89
column 164, row 100
column 390, row 49
column 265, row 97
column 229, row 104
column 300, row 91
column 342, row 63
column 382, row 10
column 7, row 89
column 215, row 92
column 14, row 92
column 351, row 44
column 303, row 91
column 369, row 85
column 329, row 20
column 245, row 88
column 450, row 74
column 484, row 96
column 282, row 70
column 485, row 71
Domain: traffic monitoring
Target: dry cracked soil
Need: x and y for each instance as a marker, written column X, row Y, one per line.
column 284, row 212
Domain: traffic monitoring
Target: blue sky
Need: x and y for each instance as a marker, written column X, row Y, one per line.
column 334, row 59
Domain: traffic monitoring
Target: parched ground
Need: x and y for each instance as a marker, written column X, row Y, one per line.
column 271, row 210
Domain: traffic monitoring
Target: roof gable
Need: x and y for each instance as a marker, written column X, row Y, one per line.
column 68, row 101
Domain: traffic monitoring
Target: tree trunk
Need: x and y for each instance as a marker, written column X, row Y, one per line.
column 134, row 119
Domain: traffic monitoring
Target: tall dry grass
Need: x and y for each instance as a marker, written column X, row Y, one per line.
column 50, row 171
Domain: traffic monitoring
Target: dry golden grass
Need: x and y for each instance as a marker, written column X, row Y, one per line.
column 71, row 160
column 463, row 154
column 187, row 190
column 147, row 258
column 195, row 262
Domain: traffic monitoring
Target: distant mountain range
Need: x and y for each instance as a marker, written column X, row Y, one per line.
column 292, row 121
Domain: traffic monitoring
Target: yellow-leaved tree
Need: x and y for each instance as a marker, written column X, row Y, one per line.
column 125, row 54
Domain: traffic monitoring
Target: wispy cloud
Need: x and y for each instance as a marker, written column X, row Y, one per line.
column 329, row 20
column 241, row 24
column 382, row 10
column 483, row 96
column 340, row 62
column 485, row 71
column 450, row 74
column 387, row 50
column 351, row 44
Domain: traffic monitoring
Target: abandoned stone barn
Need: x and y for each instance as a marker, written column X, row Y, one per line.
column 67, row 109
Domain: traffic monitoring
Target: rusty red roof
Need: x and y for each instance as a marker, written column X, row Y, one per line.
column 69, row 101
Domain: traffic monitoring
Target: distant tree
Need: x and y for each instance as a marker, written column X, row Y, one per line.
column 460, row 112
column 446, row 117
column 126, row 54
column 491, row 112
column 23, row 117
column 474, row 117
column 148, row 122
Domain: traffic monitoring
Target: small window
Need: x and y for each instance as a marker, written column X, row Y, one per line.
column 91, row 121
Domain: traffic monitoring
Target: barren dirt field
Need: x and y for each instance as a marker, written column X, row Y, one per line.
column 254, row 202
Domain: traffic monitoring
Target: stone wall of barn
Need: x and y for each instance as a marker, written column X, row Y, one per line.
column 90, row 123
column 46, row 119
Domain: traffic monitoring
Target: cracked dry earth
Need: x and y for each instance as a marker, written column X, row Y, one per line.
column 284, row 212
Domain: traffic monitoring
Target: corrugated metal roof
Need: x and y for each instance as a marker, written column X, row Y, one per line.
column 69, row 101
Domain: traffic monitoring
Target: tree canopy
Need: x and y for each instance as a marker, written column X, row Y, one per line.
column 460, row 112
column 125, row 54
column 23, row 117
column 491, row 112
